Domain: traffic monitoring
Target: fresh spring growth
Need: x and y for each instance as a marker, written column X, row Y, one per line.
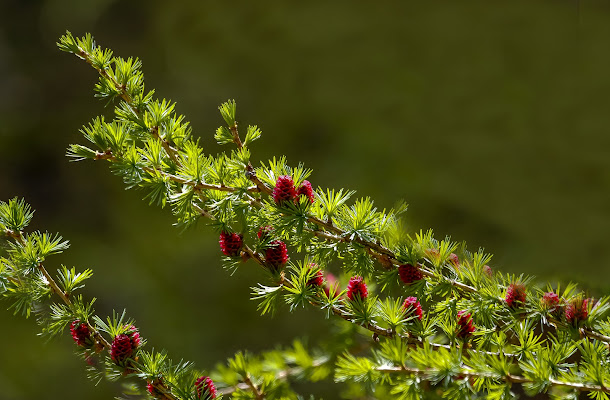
column 151, row 147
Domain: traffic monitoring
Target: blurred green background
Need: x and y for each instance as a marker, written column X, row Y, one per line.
column 489, row 118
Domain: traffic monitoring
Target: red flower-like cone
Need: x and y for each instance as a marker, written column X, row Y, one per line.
column 577, row 310
column 412, row 307
column 230, row 243
column 318, row 279
column 125, row 345
column 276, row 254
column 487, row 271
column 454, row 259
column 550, row 300
column 357, row 288
column 306, row 190
column 331, row 281
column 515, row 295
column 154, row 392
column 465, row 327
column 284, row 190
column 204, row 388
column 121, row 348
column 409, row 273
column 264, row 232
column 432, row 253
column 81, row 333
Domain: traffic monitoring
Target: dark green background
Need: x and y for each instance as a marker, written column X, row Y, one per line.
column 489, row 118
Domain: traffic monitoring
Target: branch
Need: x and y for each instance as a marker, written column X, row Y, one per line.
column 424, row 373
column 18, row 236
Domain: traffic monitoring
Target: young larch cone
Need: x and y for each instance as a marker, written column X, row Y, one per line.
column 465, row 327
column 125, row 345
column 204, row 388
column 151, row 388
column 432, row 253
column 284, row 190
column 550, row 300
column 230, row 243
column 454, row 259
column 487, row 271
column 357, row 288
column 412, row 307
column 276, row 255
column 331, row 282
column 306, row 190
column 81, row 333
column 318, row 278
column 121, row 348
column 264, row 232
column 515, row 295
column 134, row 334
column 577, row 310
column 409, row 273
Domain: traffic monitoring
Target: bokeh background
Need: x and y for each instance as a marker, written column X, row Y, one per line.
column 489, row 118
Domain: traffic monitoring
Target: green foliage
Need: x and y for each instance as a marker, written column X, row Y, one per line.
column 557, row 345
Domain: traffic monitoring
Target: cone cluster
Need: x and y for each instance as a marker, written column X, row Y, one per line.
column 285, row 192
